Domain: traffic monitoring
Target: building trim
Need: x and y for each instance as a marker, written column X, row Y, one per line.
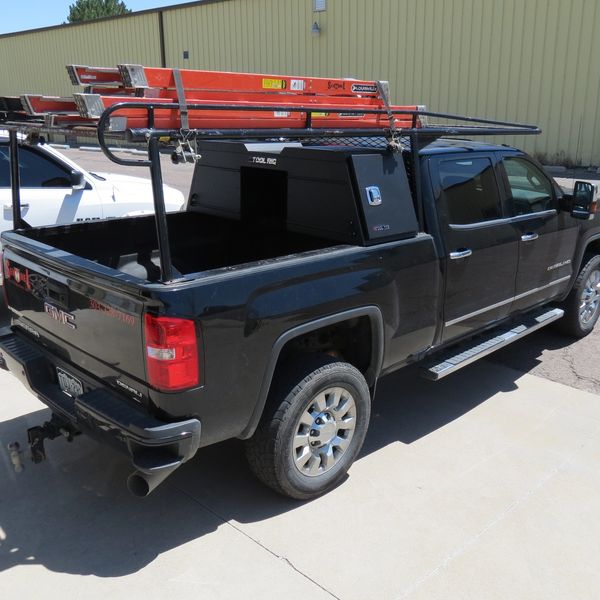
column 148, row 11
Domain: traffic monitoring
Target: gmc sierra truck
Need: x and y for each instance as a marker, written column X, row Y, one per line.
column 299, row 274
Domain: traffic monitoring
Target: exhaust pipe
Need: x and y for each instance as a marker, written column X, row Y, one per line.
column 140, row 484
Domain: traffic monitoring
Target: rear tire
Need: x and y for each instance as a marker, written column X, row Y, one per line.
column 582, row 305
column 313, row 427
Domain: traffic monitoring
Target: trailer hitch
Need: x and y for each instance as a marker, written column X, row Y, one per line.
column 36, row 436
column 50, row 430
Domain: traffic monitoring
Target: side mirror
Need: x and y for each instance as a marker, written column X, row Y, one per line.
column 585, row 201
column 77, row 180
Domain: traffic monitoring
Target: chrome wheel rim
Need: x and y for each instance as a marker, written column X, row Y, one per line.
column 324, row 431
column 590, row 298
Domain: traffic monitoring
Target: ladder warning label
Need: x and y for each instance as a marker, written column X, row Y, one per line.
column 273, row 84
column 297, row 85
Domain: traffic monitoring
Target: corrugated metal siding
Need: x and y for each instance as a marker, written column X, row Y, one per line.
column 35, row 62
column 527, row 60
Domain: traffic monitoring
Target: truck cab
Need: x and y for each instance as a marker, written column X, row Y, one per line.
column 505, row 231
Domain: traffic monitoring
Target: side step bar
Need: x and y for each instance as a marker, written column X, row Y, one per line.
column 456, row 358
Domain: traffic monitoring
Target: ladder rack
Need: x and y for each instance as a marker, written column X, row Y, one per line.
column 135, row 102
column 143, row 104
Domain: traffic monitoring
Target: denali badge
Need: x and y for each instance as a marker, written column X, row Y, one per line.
column 131, row 390
column 60, row 315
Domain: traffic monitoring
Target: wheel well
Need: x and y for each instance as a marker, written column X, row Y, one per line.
column 350, row 341
column 592, row 248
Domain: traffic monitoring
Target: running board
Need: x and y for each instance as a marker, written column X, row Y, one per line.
column 458, row 357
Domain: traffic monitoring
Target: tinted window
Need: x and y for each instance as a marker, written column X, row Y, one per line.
column 470, row 190
column 530, row 189
column 35, row 170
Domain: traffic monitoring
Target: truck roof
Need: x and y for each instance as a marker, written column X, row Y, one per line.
column 446, row 145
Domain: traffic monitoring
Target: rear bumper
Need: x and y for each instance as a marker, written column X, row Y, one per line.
column 153, row 445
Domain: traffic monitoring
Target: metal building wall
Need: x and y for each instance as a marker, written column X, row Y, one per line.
column 35, row 62
column 527, row 60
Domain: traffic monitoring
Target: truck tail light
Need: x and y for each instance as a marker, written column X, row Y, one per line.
column 171, row 353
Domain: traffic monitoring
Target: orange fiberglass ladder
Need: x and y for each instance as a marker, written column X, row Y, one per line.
column 227, row 100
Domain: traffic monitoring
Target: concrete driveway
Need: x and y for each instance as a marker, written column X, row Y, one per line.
column 483, row 485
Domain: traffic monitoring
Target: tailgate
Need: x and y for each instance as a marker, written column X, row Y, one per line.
column 81, row 319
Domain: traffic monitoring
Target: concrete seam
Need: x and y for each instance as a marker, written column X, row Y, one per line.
column 278, row 556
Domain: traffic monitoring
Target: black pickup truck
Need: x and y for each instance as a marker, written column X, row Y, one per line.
column 298, row 276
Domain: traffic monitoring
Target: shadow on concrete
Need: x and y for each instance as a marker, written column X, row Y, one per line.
column 525, row 356
column 73, row 513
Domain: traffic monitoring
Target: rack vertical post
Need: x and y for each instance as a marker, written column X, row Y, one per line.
column 162, row 231
column 15, row 183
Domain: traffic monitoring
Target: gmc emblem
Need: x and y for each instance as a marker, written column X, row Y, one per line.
column 60, row 315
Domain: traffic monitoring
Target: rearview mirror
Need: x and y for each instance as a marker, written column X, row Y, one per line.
column 77, row 180
column 584, row 200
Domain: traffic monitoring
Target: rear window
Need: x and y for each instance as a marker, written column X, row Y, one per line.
column 470, row 191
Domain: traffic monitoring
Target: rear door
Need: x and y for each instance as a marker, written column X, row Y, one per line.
column 547, row 236
column 47, row 196
column 481, row 243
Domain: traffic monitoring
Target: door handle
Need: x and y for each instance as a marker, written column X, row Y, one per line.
column 529, row 237
column 462, row 253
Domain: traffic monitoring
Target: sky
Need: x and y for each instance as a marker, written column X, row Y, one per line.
column 31, row 14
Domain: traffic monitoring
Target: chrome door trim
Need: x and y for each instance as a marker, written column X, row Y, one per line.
column 507, row 301
column 543, row 287
column 544, row 214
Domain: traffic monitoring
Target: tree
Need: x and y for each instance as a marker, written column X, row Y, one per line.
column 84, row 10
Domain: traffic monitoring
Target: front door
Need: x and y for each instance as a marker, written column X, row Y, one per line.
column 481, row 244
column 547, row 235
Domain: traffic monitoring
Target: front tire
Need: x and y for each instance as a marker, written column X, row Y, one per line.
column 582, row 306
column 314, row 426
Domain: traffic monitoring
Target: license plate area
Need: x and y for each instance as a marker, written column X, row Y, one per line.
column 70, row 385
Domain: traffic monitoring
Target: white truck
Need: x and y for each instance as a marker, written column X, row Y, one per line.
column 55, row 190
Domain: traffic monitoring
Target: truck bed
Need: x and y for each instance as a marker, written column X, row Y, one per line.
column 199, row 242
